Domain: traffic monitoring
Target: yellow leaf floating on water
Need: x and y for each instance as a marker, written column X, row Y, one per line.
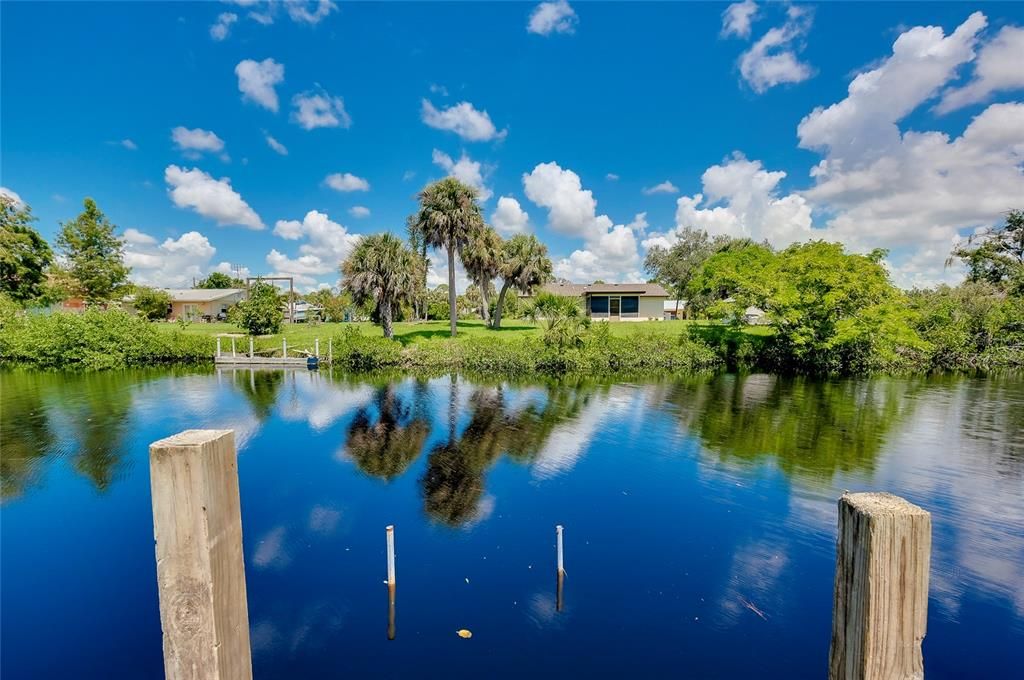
column 464, row 633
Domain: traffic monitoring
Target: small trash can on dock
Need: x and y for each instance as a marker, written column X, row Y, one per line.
column 313, row 363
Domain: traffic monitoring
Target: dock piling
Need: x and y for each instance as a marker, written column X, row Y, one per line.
column 250, row 347
column 316, row 348
column 390, row 532
column 880, row 606
column 560, row 581
column 330, row 350
column 197, row 525
column 233, row 348
column 218, row 345
column 284, row 347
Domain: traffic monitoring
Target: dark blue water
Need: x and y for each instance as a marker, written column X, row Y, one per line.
column 699, row 520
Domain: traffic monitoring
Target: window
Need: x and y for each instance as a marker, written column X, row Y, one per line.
column 630, row 304
column 599, row 304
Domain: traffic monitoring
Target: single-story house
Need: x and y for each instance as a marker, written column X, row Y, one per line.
column 203, row 303
column 304, row 311
column 616, row 301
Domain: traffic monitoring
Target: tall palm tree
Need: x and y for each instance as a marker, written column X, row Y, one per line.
column 525, row 265
column 481, row 258
column 448, row 214
column 380, row 269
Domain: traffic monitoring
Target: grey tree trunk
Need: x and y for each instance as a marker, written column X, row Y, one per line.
column 485, row 308
column 453, row 312
column 496, row 323
column 385, row 320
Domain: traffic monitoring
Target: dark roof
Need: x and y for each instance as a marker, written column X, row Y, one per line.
column 583, row 289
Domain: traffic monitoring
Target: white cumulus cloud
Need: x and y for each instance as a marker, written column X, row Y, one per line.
column 552, row 17
column 466, row 170
column 325, row 244
column 274, row 144
column 738, row 18
column 220, row 28
column 257, row 80
column 12, row 195
column 213, row 198
column 193, row 143
column 772, row 59
column 1000, row 66
column 359, row 211
column 309, row 12
column 171, row 264
column 317, row 109
column 665, row 187
column 509, row 218
column 346, row 182
column 463, row 119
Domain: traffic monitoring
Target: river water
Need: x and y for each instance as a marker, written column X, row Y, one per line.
column 699, row 519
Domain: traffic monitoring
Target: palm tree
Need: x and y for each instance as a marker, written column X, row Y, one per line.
column 481, row 258
column 447, row 217
column 381, row 269
column 525, row 265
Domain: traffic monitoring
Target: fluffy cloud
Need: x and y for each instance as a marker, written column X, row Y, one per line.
column 274, row 144
column 128, row 144
column 346, row 182
column 359, row 211
column 317, row 109
column 742, row 199
column 665, row 187
column 300, row 11
column 213, row 198
column 462, row 119
column 465, row 170
column 257, row 79
column 193, row 143
column 737, row 19
column 220, row 28
column 864, row 124
column 609, row 252
column 772, row 59
column 509, row 218
column 326, row 244
column 437, row 271
column 552, row 17
column 612, row 177
column 1000, row 66
column 171, row 264
column 12, row 195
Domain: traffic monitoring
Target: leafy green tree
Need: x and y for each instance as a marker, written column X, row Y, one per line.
column 152, row 303
column 675, row 267
column 334, row 307
column 261, row 313
column 481, row 257
column 448, row 215
column 381, row 270
column 525, row 266
column 24, row 254
column 995, row 254
column 95, row 255
column 220, row 280
column 733, row 279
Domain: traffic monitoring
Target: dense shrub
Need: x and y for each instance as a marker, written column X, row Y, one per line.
column 95, row 339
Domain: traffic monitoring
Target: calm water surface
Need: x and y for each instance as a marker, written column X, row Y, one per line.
column 699, row 520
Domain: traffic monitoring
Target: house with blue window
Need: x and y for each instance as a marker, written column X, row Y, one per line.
column 615, row 301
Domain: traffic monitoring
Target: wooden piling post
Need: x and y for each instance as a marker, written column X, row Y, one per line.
column 251, row 355
column 232, row 347
column 330, row 350
column 284, row 347
column 560, row 575
column 558, row 540
column 390, row 533
column 199, row 562
column 218, row 346
column 316, row 348
column 880, row 607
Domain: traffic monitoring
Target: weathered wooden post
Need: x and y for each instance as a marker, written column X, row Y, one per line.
column 390, row 533
column 218, row 347
column 316, row 348
column 200, row 573
column 560, row 578
column 880, row 608
column 330, row 350
column 284, row 347
column 232, row 347
column 250, row 348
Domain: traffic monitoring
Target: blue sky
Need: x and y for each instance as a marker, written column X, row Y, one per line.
column 896, row 125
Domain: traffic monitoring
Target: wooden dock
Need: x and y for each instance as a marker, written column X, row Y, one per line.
column 250, row 358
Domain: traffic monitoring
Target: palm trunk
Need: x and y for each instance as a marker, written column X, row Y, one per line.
column 500, row 306
column 485, row 308
column 385, row 320
column 453, row 313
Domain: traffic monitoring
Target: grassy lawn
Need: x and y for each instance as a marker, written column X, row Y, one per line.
column 302, row 335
